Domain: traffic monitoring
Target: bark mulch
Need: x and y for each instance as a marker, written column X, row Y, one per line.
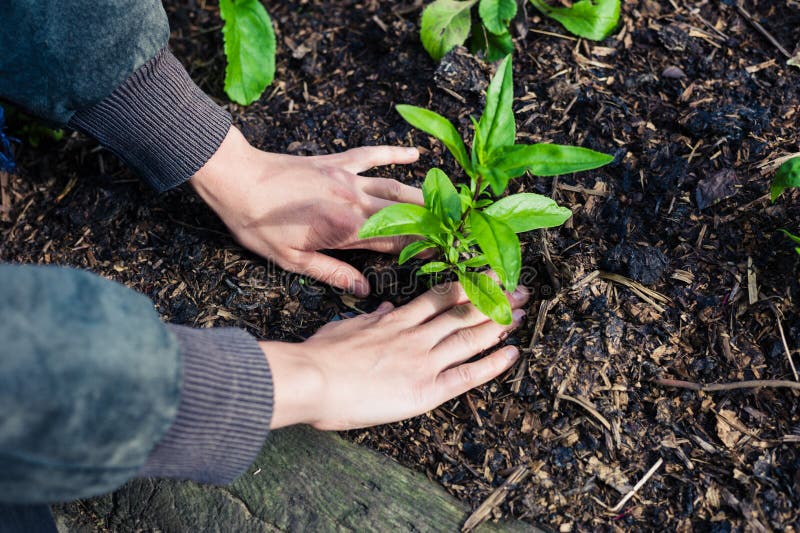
column 671, row 275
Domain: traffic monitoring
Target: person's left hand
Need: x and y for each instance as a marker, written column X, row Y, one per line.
column 287, row 208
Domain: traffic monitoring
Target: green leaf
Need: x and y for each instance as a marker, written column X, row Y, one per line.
column 413, row 249
column 795, row 238
column 494, row 46
column 432, row 267
column 500, row 245
column 498, row 46
column 591, row 19
column 475, row 262
column 497, row 127
column 445, row 25
column 441, row 197
column 435, row 124
column 486, row 295
column 528, row 211
column 546, row 159
column 496, row 177
column 401, row 219
column 497, row 14
column 788, row 175
column 249, row 48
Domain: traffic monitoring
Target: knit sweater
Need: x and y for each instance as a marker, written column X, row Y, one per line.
column 94, row 388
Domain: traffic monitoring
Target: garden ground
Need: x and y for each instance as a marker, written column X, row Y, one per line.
column 672, row 267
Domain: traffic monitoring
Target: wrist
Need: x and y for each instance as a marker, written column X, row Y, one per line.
column 234, row 156
column 298, row 384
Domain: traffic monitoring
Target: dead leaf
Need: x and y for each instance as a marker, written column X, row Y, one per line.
column 610, row 476
column 729, row 435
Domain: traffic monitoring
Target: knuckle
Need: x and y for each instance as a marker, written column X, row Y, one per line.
column 467, row 337
column 394, row 189
column 461, row 312
column 464, row 375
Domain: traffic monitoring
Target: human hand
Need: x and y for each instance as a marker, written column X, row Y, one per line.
column 286, row 208
column 388, row 365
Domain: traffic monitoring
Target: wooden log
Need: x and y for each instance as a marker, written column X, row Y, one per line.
column 303, row 480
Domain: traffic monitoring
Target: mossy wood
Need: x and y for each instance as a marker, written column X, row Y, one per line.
column 303, row 480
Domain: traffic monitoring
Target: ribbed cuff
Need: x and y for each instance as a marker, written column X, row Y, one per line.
column 224, row 412
column 159, row 122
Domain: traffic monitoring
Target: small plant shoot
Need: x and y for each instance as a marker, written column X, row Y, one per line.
column 446, row 24
column 787, row 176
column 249, row 48
column 468, row 227
column 590, row 19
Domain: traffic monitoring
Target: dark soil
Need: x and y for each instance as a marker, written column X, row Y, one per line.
column 688, row 100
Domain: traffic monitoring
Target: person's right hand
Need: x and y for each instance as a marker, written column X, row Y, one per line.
column 389, row 365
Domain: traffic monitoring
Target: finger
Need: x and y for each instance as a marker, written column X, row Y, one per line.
column 383, row 308
column 331, row 271
column 458, row 380
column 437, row 300
column 467, row 342
column 466, row 316
column 364, row 158
column 384, row 245
column 389, row 189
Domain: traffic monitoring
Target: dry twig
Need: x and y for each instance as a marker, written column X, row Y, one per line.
column 484, row 511
column 589, row 407
column 716, row 387
column 617, row 508
column 761, row 29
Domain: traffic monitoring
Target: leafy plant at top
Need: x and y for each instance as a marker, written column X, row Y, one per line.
column 467, row 226
column 249, row 47
column 788, row 175
column 449, row 23
column 591, row 19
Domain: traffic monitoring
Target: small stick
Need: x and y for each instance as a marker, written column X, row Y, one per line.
column 474, row 411
column 483, row 512
column 589, row 407
column 785, row 345
column 617, row 508
column 743, row 12
column 522, row 366
column 715, row 387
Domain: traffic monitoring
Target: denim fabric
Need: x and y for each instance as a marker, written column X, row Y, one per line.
column 26, row 519
column 89, row 383
column 57, row 57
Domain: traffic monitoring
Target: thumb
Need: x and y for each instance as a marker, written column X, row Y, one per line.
column 331, row 271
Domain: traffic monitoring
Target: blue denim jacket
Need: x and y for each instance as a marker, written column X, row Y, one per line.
column 90, row 382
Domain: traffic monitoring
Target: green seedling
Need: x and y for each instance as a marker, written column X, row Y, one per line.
column 468, row 227
column 590, row 19
column 249, row 49
column 787, row 176
column 449, row 23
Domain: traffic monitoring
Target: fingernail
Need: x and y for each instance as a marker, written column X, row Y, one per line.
column 510, row 352
column 361, row 289
column 518, row 315
column 385, row 306
column 411, row 151
column 520, row 294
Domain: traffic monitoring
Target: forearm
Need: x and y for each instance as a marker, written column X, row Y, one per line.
column 104, row 68
column 96, row 390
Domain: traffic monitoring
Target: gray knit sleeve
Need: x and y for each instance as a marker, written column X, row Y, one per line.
column 224, row 412
column 158, row 121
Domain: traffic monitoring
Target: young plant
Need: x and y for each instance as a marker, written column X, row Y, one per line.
column 468, row 227
column 448, row 23
column 249, row 48
column 788, row 175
